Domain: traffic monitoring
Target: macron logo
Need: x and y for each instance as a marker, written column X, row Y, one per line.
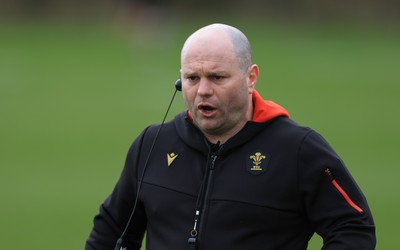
column 171, row 157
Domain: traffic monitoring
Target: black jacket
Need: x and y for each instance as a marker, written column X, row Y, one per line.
column 271, row 186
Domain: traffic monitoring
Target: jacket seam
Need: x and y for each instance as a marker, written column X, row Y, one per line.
column 256, row 205
column 298, row 168
column 137, row 161
column 171, row 189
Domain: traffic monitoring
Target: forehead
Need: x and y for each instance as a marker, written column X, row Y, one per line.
column 209, row 63
column 211, row 52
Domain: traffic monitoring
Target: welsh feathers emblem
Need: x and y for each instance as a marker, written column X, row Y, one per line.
column 257, row 163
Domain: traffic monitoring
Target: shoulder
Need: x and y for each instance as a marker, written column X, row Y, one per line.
column 152, row 130
column 285, row 127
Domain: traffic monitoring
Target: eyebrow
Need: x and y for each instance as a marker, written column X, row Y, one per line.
column 218, row 73
column 207, row 74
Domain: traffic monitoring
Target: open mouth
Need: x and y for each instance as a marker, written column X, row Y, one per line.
column 206, row 109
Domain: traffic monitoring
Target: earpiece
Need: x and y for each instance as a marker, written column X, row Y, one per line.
column 178, row 84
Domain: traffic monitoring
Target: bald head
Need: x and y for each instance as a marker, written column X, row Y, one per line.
column 213, row 35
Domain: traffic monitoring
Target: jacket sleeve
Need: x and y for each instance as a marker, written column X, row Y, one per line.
column 334, row 204
column 116, row 209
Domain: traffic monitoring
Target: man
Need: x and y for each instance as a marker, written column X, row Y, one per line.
column 232, row 172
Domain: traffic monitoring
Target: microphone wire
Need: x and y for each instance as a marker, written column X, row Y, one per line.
column 118, row 245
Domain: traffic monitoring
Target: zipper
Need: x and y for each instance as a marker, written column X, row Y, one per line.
column 328, row 173
column 202, row 203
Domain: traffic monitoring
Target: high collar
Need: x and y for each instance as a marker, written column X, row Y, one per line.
column 265, row 110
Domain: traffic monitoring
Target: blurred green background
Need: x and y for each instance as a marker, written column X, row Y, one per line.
column 76, row 89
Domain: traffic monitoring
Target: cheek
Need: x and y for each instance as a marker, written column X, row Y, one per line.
column 187, row 96
column 237, row 98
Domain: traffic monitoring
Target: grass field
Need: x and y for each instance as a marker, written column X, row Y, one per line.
column 72, row 99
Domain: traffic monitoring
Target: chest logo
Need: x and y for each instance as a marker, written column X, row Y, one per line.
column 257, row 163
column 170, row 158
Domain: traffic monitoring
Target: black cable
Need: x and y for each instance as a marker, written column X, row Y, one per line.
column 118, row 245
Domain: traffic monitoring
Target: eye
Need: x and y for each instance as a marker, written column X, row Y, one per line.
column 192, row 78
column 219, row 78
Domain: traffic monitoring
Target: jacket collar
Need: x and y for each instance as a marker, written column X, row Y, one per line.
column 265, row 110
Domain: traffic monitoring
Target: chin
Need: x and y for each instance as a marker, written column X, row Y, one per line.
column 209, row 129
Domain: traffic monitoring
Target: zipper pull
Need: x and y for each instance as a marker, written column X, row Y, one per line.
column 328, row 173
column 213, row 158
column 193, row 233
column 192, row 240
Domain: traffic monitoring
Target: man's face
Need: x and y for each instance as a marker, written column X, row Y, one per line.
column 215, row 88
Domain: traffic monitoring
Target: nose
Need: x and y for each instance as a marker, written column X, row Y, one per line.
column 205, row 87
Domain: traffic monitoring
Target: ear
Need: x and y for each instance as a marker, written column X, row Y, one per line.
column 252, row 77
